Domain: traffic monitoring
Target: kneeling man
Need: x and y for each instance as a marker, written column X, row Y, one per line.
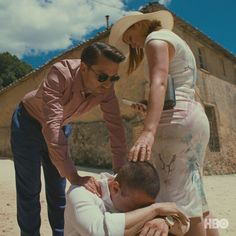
column 127, row 206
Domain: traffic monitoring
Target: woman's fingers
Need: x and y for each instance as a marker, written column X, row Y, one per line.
column 140, row 153
column 148, row 153
column 142, row 148
column 136, row 152
column 139, row 107
column 131, row 152
column 143, row 151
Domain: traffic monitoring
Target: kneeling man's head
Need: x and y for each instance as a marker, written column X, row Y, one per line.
column 136, row 185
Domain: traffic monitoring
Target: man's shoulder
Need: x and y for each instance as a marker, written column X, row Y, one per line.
column 70, row 63
column 80, row 197
column 68, row 67
column 76, row 192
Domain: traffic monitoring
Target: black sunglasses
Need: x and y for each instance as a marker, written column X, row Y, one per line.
column 104, row 77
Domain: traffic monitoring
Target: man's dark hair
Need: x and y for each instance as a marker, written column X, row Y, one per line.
column 140, row 176
column 91, row 53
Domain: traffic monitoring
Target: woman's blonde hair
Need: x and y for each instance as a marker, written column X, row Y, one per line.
column 136, row 54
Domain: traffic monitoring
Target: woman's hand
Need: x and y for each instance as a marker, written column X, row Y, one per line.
column 89, row 182
column 142, row 148
column 140, row 107
column 157, row 227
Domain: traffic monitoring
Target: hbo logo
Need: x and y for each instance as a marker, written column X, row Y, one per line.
column 216, row 223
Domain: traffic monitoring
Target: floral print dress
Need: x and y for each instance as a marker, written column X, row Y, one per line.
column 182, row 134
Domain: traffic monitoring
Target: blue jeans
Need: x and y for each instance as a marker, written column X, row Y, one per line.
column 29, row 151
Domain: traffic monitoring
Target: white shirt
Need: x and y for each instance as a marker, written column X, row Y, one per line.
column 86, row 214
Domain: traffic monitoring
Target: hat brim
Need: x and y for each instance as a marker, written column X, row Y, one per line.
column 119, row 28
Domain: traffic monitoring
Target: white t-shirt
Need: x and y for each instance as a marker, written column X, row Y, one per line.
column 182, row 66
column 88, row 215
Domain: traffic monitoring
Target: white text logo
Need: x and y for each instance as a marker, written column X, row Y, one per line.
column 210, row 223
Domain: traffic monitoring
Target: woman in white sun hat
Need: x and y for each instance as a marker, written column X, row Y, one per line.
column 177, row 137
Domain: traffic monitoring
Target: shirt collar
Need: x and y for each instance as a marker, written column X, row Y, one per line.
column 104, row 177
column 79, row 85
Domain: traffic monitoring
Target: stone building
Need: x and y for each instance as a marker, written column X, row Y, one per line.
column 89, row 142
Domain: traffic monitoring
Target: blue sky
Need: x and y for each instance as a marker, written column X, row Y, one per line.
column 43, row 29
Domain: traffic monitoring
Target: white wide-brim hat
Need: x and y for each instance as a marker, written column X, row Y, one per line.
column 119, row 28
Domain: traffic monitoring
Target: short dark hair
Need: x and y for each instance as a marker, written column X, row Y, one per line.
column 91, row 53
column 140, row 176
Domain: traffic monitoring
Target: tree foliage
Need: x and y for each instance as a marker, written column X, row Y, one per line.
column 11, row 69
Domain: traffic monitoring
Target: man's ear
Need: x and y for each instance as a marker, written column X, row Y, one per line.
column 114, row 187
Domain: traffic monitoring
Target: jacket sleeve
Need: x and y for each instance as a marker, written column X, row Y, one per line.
column 112, row 118
column 53, row 88
column 85, row 213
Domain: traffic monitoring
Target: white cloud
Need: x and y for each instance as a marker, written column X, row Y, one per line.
column 33, row 26
column 164, row 2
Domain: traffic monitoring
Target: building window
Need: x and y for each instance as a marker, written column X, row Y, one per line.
column 214, row 143
column 222, row 65
column 202, row 58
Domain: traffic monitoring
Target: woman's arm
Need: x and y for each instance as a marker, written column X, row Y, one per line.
column 159, row 53
column 158, row 62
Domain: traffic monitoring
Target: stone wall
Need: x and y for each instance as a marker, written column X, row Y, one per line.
column 88, row 148
column 222, row 96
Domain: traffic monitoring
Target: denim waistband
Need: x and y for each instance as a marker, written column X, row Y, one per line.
column 26, row 114
column 67, row 129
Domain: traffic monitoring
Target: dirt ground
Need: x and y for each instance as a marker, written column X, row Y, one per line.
column 220, row 190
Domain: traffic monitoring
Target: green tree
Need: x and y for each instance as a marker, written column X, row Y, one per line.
column 11, row 69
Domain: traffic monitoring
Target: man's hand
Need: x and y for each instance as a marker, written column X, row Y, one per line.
column 157, row 227
column 170, row 208
column 89, row 182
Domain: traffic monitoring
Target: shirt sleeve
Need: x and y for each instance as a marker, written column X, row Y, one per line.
column 113, row 120
column 84, row 214
column 53, row 89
